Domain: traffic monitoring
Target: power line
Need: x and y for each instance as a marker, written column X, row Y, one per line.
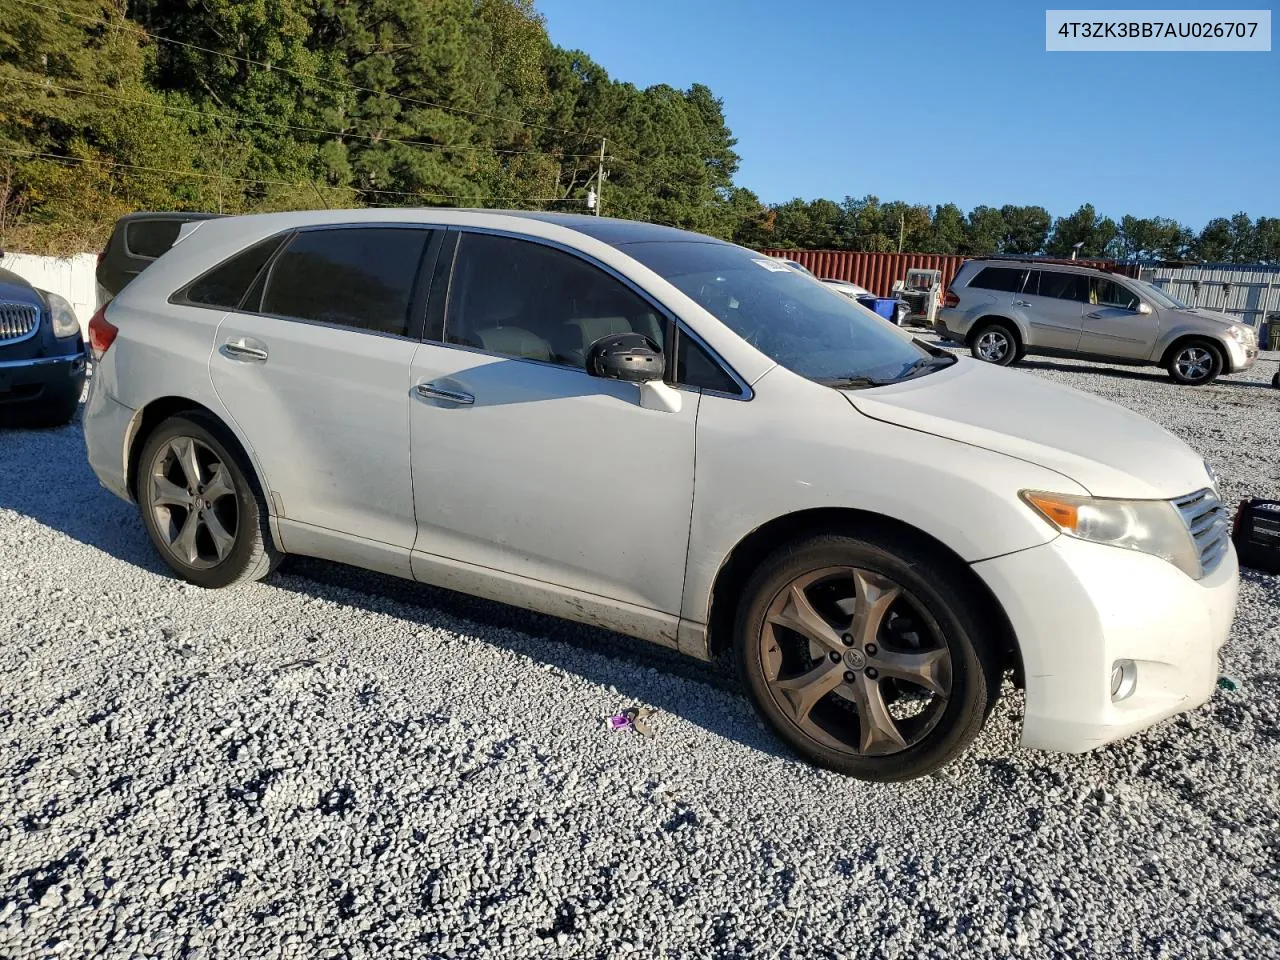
column 56, row 158
column 304, row 76
column 290, row 126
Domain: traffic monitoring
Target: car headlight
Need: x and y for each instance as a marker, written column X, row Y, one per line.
column 65, row 323
column 1241, row 335
column 1148, row 526
column 1213, row 478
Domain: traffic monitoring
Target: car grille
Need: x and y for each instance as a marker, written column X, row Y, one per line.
column 1206, row 518
column 17, row 321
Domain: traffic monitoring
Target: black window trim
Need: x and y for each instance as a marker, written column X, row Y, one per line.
column 418, row 297
column 445, row 265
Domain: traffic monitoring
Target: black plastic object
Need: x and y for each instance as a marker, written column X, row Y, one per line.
column 1257, row 534
column 626, row 356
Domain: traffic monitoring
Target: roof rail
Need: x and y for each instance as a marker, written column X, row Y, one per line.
column 1105, row 264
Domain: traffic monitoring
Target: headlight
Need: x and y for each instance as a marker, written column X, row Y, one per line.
column 1148, row 526
column 1213, row 478
column 64, row 319
column 1241, row 335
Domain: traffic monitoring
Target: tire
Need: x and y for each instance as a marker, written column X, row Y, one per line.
column 1275, row 381
column 230, row 543
column 995, row 343
column 820, row 715
column 1196, row 362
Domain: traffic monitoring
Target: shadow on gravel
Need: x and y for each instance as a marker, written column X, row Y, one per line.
column 621, row 662
column 44, row 475
column 1140, row 374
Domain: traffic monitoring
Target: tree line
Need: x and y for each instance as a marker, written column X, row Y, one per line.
column 868, row 224
column 246, row 106
column 239, row 106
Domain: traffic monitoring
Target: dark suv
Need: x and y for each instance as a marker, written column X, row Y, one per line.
column 137, row 241
column 42, row 355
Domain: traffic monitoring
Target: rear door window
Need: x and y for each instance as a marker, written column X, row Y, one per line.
column 358, row 277
column 1064, row 286
column 1002, row 279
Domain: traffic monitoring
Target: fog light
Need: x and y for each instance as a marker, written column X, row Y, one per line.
column 1124, row 678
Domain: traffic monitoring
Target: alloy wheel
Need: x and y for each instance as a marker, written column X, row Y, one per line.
column 193, row 503
column 1194, row 363
column 855, row 662
column 993, row 345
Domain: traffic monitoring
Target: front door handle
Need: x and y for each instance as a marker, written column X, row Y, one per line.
column 429, row 391
column 244, row 350
column 1021, row 303
column 1094, row 316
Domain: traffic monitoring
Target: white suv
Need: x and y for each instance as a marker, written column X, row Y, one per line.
column 675, row 438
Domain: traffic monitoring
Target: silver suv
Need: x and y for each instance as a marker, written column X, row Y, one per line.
column 1004, row 309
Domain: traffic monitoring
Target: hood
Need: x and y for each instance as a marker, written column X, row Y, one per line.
column 1223, row 318
column 14, row 289
column 1107, row 449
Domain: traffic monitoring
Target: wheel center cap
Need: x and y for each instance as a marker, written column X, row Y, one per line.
column 854, row 659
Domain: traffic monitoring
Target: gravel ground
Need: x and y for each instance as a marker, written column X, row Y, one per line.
column 332, row 763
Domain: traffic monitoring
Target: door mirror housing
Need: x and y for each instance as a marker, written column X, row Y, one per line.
column 632, row 357
column 1144, row 308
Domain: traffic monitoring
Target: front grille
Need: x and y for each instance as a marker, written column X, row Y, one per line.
column 1206, row 519
column 17, row 321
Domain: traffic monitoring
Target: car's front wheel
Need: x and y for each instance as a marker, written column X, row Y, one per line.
column 1196, row 362
column 995, row 343
column 866, row 657
column 204, row 515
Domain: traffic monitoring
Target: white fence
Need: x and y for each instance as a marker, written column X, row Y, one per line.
column 71, row 278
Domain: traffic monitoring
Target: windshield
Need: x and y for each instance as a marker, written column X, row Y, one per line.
column 1161, row 298
column 788, row 317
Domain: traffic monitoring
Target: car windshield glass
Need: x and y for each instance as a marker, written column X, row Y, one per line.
column 1161, row 298
column 788, row 317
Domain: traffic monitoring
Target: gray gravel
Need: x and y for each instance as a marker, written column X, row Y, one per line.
column 333, row 763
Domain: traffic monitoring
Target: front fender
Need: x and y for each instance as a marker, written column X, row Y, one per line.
column 800, row 446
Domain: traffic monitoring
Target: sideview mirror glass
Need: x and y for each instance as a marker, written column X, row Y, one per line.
column 626, row 356
column 1144, row 308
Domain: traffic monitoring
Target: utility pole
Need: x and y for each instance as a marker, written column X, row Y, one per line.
column 600, row 178
column 902, row 229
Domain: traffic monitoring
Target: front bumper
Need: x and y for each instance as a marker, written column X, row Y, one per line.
column 34, row 383
column 1077, row 607
column 1241, row 356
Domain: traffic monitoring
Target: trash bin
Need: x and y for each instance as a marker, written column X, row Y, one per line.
column 1273, row 332
column 884, row 306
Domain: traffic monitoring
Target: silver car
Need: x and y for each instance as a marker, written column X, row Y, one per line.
column 1005, row 309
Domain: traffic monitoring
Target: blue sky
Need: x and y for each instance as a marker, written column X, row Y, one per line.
column 818, row 93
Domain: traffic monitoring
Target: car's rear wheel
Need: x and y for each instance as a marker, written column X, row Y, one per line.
column 866, row 657
column 1196, row 362
column 206, row 518
column 995, row 343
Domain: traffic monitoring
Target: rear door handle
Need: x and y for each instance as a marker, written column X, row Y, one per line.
column 244, row 350
column 429, row 391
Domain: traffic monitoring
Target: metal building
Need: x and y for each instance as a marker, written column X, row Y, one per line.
column 1250, row 291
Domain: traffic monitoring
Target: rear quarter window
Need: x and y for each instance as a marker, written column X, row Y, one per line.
column 150, row 239
column 226, row 284
column 1002, row 279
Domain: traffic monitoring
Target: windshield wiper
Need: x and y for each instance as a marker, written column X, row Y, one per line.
column 918, row 367
column 853, row 383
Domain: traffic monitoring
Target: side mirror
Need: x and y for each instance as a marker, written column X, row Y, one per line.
column 1144, row 308
column 632, row 357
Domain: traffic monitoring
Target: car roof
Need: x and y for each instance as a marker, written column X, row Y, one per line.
column 610, row 230
column 1029, row 263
